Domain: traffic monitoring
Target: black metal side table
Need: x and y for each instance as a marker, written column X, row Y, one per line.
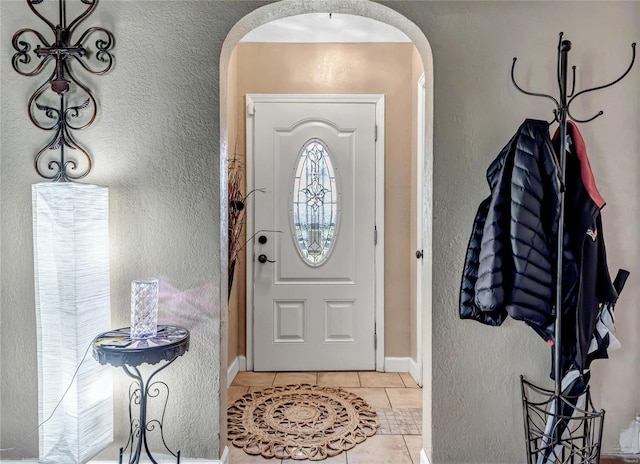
column 118, row 349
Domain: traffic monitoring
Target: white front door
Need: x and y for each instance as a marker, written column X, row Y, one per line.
column 314, row 256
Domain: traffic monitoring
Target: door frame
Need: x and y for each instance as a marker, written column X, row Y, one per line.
column 420, row 155
column 378, row 101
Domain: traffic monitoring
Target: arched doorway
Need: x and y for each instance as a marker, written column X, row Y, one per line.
column 378, row 12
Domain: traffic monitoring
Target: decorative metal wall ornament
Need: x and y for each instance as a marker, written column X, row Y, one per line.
column 77, row 107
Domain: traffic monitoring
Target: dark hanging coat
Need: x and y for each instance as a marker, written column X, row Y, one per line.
column 585, row 239
column 510, row 265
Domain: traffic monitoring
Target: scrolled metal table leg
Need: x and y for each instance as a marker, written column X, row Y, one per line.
column 136, row 396
column 153, row 391
column 141, row 394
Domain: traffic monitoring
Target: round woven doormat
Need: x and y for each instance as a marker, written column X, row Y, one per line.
column 300, row 422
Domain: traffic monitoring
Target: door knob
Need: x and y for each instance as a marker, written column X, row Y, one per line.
column 263, row 259
column 419, row 254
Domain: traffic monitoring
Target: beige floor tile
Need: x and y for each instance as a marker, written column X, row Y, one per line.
column 414, row 445
column 408, row 380
column 237, row 456
column 235, row 392
column 255, row 389
column 376, row 397
column 338, row 379
column 399, row 421
column 625, row 459
column 405, row 397
column 380, row 379
column 339, row 459
column 248, row 379
column 288, row 378
column 380, row 449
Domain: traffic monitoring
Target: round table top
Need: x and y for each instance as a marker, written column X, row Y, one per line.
column 116, row 347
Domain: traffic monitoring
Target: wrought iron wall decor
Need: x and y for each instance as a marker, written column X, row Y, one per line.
column 76, row 107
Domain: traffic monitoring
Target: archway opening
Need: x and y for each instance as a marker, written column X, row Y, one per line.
column 365, row 9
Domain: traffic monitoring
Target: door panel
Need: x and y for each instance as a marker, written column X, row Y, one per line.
column 289, row 321
column 314, row 306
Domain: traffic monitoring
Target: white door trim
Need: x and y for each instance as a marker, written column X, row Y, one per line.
column 420, row 154
column 378, row 100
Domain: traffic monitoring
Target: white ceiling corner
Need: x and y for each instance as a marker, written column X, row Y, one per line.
column 325, row 28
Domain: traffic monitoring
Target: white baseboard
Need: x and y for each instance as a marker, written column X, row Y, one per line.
column 160, row 460
column 396, row 364
column 238, row 365
column 391, row 364
column 415, row 372
column 225, row 454
column 423, row 457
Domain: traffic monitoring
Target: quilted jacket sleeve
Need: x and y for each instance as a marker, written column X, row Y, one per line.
column 535, row 209
column 494, row 268
column 468, row 308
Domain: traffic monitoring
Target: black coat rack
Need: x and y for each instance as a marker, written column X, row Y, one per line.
column 561, row 114
column 543, row 440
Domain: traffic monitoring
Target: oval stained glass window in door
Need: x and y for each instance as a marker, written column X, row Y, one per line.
column 314, row 212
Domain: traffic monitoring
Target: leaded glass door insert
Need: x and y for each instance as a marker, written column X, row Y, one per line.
column 315, row 203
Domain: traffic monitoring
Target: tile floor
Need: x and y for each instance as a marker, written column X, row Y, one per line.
column 395, row 396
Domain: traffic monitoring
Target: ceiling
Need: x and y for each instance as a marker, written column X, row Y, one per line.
column 325, row 28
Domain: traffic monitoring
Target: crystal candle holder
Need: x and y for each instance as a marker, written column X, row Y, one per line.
column 144, row 309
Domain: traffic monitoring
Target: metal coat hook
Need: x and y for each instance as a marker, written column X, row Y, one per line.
column 526, row 92
column 582, row 92
column 566, row 98
column 573, row 81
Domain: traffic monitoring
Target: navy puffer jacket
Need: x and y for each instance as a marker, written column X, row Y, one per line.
column 511, row 257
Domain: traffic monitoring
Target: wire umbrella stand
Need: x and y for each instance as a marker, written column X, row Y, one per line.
column 571, row 436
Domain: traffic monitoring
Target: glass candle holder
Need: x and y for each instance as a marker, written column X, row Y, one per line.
column 144, row 309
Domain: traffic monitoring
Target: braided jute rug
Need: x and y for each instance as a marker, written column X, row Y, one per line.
column 300, row 422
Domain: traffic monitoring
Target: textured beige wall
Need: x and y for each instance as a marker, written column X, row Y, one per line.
column 476, row 410
column 353, row 68
column 155, row 144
